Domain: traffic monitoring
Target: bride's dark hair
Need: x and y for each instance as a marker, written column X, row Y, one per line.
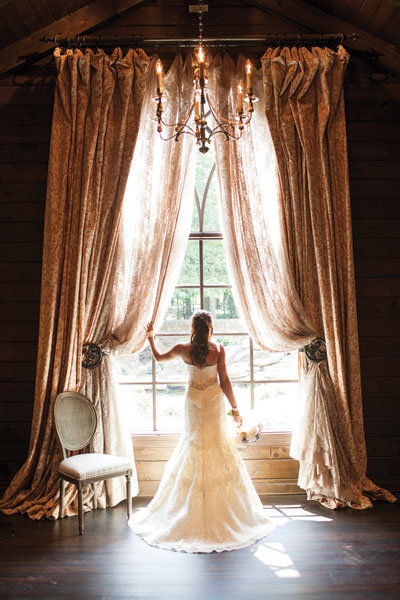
column 201, row 324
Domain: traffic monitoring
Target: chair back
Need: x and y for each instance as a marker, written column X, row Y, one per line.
column 75, row 421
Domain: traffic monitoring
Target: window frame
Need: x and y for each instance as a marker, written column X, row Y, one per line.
column 201, row 236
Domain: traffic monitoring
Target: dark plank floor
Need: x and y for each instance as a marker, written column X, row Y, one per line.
column 313, row 553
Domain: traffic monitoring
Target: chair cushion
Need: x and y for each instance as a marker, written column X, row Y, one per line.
column 85, row 466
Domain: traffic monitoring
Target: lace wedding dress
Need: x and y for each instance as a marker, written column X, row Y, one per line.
column 206, row 500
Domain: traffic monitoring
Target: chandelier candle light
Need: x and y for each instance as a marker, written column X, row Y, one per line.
column 195, row 122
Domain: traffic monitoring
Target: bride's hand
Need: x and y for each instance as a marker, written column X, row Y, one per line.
column 149, row 329
column 237, row 418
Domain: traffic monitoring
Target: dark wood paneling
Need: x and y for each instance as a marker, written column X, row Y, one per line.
column 382, row 407
column 19, row 291
column 18, row 351
column 374, row 248
column 15, row 432
column 384, row 346
column 19, row 332
column 21, row 191
column 371, row 287
column 17, row 371
column 379, row 207
column 28, row 153
column 377, row 327
column 373, row 111
column 31, row 172
column 373, row 131
column 19, row 311
column 16, row 391
column 17, row 451
column 31, row 134
column 380, row 366
column 8, row 469
column 373, row 92
column 382, row 427
column 379, row 307
column 21, row 414
column 383, row 446
column 376, row 169
column 381, row 386
column 21, row 271
column 21, row 115
column 21, row 251
column 25, row 118
column 26, row 96
column 21, row 232
column 376, row 228
column 388, row 466
column 22, row 212
column 371, row 151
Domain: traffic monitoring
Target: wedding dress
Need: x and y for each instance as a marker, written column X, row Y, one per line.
column 206, row 500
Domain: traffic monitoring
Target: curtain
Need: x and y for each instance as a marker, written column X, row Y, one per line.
column 98, row 283
column 286, row 217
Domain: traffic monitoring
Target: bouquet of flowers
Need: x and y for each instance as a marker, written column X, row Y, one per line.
column 249, row 431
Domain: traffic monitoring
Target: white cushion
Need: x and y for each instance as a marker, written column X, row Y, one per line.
column 85, row 466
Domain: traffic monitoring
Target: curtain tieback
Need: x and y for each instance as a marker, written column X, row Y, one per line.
column 315, row 350
column 93, row 355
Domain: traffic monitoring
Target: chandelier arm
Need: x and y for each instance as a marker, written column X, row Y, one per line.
column 184, row 122
column 232, row 135
column 185, row 129
column 176, row 135
column 217, row 116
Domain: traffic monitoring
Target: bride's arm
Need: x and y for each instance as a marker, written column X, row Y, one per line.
column 175, row 352
column 226, row 385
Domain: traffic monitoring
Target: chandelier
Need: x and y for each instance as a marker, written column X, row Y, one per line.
column 195, row 122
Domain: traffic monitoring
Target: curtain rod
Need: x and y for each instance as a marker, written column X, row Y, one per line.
column 136, row 41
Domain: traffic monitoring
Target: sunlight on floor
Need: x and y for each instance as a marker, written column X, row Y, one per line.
column 283, row 513
column 273, row 555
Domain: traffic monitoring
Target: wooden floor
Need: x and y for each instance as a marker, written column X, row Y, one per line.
column 313, row 553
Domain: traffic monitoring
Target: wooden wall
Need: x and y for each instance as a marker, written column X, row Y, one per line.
column 374, row 150
column 373, row 130
column 268, row 463
column 25, row 121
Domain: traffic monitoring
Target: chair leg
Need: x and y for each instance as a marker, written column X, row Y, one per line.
column 62, row 492
column 129, row 493
column 80, row 507
column 94, row 488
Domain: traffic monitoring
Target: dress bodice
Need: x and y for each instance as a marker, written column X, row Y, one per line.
column 202, row 377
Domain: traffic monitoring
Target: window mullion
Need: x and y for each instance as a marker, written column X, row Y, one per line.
column 154, row 391
column 251, row 349
column 201, row 265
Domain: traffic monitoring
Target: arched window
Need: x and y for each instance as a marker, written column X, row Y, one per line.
column 153, row 393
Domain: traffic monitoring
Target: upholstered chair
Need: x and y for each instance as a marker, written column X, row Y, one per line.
column 75, row 423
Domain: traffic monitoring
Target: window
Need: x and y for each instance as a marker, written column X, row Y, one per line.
column 153, row 393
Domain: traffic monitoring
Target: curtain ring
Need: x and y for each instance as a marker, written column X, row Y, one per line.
column 93, row 356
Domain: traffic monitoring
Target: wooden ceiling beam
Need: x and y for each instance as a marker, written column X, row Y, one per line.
column 308, row 16
column 84, row 19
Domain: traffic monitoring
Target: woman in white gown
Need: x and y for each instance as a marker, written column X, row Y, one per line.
column 206, row 500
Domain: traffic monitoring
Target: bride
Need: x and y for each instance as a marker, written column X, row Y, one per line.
column 206, row 500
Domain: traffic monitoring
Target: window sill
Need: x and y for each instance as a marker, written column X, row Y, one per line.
column 170, row 438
